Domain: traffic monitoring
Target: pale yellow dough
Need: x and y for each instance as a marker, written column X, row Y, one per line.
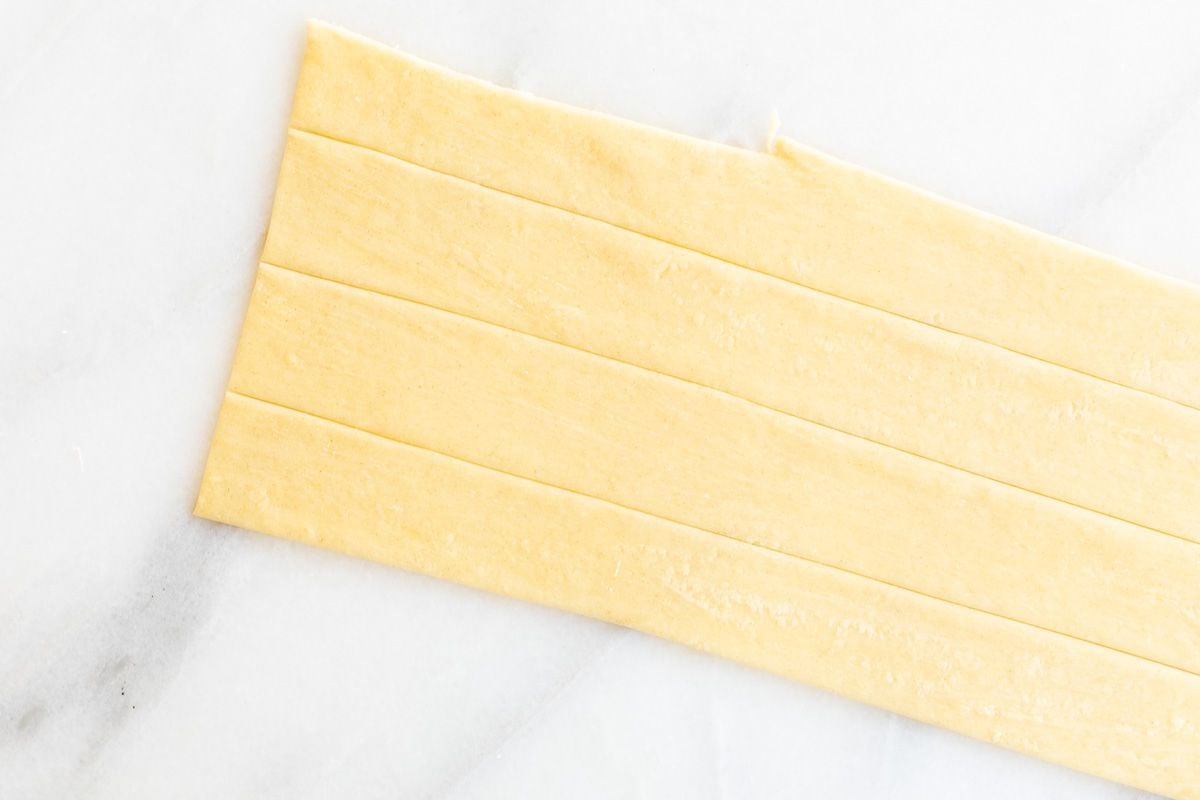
column 873, row 441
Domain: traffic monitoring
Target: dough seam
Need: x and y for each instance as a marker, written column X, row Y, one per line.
column 724, row 393
column 698, row 529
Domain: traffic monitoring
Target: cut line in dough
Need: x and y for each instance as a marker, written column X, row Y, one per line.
column 646, row 441
column 370, row 220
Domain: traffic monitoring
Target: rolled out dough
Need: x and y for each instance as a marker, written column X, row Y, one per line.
column 794, row 213
column 545, row 388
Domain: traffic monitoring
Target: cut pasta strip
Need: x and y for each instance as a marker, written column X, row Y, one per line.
column 793, row 213
column 313, row 481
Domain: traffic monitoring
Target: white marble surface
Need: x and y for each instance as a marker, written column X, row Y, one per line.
column 144, row 653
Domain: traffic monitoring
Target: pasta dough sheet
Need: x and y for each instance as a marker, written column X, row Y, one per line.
column 683, row 452
column 306, row 479
column 793, row 213
column 765, row 405
column 358, row 217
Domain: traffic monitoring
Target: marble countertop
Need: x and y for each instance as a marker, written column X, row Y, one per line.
column 144, row 653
